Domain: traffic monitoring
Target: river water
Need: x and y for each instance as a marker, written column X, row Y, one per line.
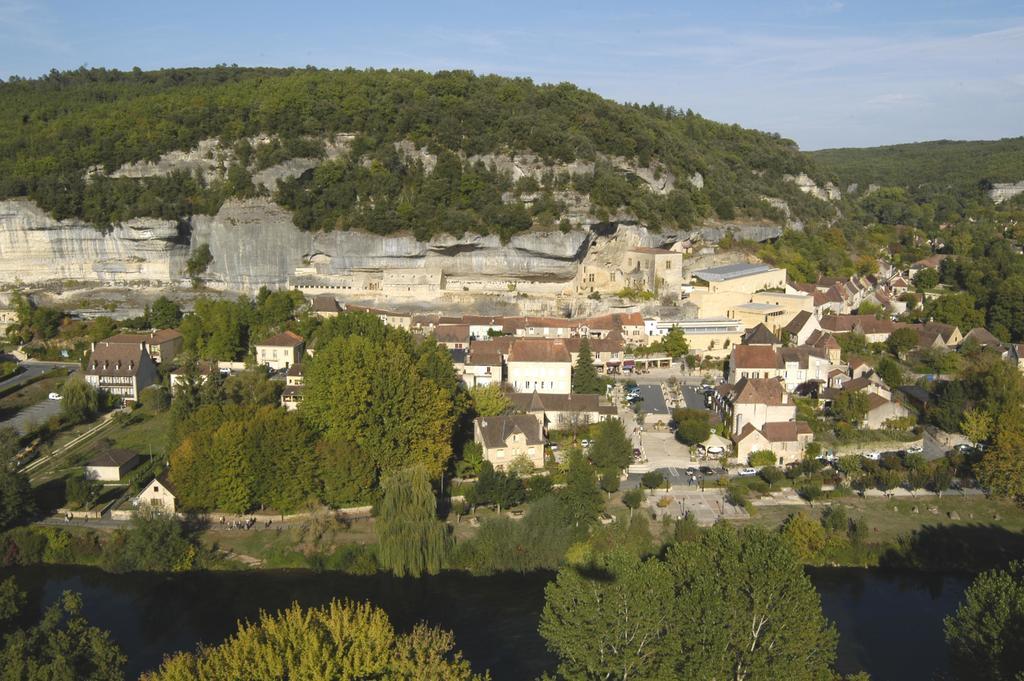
column 890, row 624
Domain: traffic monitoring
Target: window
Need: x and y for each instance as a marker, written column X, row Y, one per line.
column 668, row 265
column 156, row 489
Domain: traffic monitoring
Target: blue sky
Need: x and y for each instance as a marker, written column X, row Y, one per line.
column 823, row 72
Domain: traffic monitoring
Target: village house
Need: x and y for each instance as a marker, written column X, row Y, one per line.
column 291, row 396
column 505, row 439
column 873, row 329
column 654, row 269
column 163, row 345
column 938, row 336
column 483, row 366
column 827, row 345
column 753, row 361
column 325, row 306
column 158, row 494
column 787, row 440
column 111, row 465
column 607, row 352
column 452, row 336
column 756, row 402
column 280, row 351
column 398, row 320
column 121, row 369
column 882, row 410
column 539, row 365
column 630, row 326
column 800, row 328
column 761, row 335
column 8, row 315
column 204, row 370
column 564, row 412
column 540, row 327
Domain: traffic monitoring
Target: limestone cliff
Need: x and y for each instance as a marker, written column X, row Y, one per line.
column 254, row 243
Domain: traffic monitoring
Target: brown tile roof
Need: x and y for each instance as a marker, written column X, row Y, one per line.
column 615, row 320
column 876, row 401
column 983, row 337
column 451, row 333
column 770, row 391
column 800, row 356
column 539, row 350
column 285, row 339
column 754, row 357
column 116, row 359
column 157, row 337
column 555, row 402
column 608, row 344
column 822, row 340
column 483, row 358
column 496, row 430
column 785, row 431
column 499, row 344
column 325, row 303
column 295, row 369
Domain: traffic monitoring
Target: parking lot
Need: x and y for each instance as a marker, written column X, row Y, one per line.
column 32, row 416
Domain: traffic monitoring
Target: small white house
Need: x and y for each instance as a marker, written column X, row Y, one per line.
column 280, row 351
column 111, row 465
column 159, row 493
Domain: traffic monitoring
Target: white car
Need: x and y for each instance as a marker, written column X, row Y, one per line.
column 748, row 471
column 55, row 396
column 585, row 443
column 872, row 456
column 914, row 450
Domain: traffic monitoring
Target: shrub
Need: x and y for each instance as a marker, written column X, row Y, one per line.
column 762, row 457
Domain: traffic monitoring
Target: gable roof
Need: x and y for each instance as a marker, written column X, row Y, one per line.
column 158, row 336
column 797, row 323
column 112, row 457
column 285, row 339
column 325, row 303
column 865, row 323
column 166, row 482
column 496, row 430
column 754, row 357
column 760, row 335
column 536, row 401
column 770, row 391
column 785, row 431
column 539, row 350
column 116, row 359
column 983, row 337
column 451, row 333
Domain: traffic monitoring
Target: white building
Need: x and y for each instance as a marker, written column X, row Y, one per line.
column 543, row 366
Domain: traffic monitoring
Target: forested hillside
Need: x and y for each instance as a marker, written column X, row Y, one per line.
column 927, row 168
column 63, row 135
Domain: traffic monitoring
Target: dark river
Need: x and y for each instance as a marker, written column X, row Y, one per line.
column 890, row 624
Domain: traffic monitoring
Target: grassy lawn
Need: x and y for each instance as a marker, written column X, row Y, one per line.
column 288, row 545
column 885, row 525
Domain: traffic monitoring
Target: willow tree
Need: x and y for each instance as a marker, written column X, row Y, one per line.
column 412, row 539
column 341, row 641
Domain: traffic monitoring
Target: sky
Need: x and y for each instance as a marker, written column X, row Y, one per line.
column 826, row 73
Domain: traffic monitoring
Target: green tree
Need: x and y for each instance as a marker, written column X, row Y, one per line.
column 805, row 537
column 891, row 372
column 957, row 309
column 901, row 341
column 80, row 491
column 490, row 400
column 340, row 641
column 984, row 633
column 610, row 482
column 675, row 344
column 632, row 499
column 62, row 646
column 154, row 541
column 692, row 425
column 584, row 376
column 80, row 401
column 609, row 621
column 926, row 279
column 744, row 609
column 16, row 501
column 652, row 480
column 412, row 539
column 581, row 496
column 199, row 261
column 164, row 313
column 851, row 406
column 375, row 397
column 976, row 424
column 762, row 457
column 1001, row 469
column 611, row 448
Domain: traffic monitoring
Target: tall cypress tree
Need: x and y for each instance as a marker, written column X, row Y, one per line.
column 584, row 375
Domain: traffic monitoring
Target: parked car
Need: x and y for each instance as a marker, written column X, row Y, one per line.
column 55, row 396
column 748, row 471
column 707, row 470
column 691, row 471
column 585, row 443
column 914, row 450
column 872, row 456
